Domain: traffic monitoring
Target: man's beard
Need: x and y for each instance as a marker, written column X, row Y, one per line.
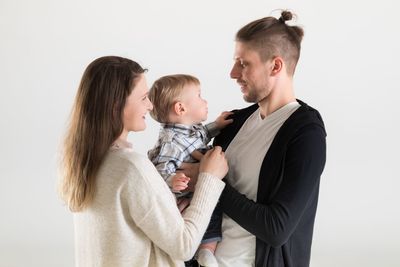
column 253, row 97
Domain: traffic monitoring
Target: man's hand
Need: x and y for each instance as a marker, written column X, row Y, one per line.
column 191, row 170
column 183, row 203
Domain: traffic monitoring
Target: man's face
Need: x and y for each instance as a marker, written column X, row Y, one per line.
column 251, row 73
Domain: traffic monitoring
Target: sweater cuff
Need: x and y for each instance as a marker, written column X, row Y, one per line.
column 209, row 188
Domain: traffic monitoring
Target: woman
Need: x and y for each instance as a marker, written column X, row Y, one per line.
column 124, row 213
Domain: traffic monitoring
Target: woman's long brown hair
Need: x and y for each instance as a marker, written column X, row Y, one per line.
column 95, row 123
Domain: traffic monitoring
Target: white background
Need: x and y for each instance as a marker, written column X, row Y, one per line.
column 348, row 70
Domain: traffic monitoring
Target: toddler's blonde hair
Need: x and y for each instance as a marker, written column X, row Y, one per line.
column 164, row 93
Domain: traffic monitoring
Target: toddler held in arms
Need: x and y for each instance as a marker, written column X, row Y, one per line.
column 179, row 107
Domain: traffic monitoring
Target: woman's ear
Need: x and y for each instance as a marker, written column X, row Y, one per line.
column 179, row 108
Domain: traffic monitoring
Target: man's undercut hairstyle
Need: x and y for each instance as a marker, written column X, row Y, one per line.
column 272, row 37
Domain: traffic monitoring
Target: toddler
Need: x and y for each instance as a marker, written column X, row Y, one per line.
column 179, row 107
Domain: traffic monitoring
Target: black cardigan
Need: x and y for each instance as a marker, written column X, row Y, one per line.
column 282, row 218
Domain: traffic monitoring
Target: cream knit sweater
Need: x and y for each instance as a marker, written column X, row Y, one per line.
column 134, row 220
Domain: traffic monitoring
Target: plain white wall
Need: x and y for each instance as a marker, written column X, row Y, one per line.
column 348, row 70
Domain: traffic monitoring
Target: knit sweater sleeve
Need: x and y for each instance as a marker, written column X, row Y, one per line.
column 275, row 222
column 153, row 208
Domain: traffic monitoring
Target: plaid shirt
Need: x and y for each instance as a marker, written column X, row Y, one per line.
column 175, row 144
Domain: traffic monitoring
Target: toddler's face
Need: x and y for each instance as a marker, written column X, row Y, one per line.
column 196, row 107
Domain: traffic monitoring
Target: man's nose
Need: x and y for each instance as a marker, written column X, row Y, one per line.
column 235, row 72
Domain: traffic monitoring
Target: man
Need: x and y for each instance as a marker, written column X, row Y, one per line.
column 276, row 152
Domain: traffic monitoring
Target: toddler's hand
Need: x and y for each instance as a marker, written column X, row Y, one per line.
column 179, row 182
column 222, row 120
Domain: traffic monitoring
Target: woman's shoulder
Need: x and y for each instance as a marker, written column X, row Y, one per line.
column 130, row 158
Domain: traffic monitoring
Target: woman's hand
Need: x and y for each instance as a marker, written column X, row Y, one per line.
column 214, row 163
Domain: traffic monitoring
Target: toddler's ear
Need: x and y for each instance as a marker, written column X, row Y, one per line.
column 179, row 108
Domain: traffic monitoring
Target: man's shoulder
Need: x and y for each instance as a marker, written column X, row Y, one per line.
column 245, row 112
column 304, row 116
column 239, row 116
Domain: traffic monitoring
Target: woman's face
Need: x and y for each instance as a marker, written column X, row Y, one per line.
column 137, row 106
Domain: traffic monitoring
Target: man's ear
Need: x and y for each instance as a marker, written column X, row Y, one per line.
column 179, row 108
column 276, row 66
